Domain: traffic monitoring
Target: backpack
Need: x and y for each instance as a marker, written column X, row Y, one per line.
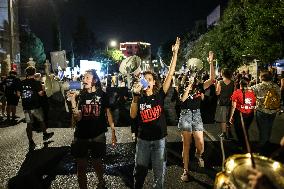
column 272, row 100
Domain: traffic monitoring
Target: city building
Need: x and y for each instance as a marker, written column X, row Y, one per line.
column 214, row 17
column 141, row 49
column 9, row 30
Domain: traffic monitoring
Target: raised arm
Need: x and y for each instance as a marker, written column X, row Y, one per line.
column 167, row 82
column 134, row 104
column 211, row 79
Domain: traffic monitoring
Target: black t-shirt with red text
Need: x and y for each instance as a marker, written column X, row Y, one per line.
column 151, row 117
column 194, row 99
column 29, row 93
column 93, row 109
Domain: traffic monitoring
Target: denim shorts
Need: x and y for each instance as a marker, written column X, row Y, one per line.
column 190, row 120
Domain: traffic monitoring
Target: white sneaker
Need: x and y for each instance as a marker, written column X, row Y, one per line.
column 133, row 136
column 199, row 160
column 185, row 176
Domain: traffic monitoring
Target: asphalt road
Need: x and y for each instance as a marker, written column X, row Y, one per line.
column 52, row 166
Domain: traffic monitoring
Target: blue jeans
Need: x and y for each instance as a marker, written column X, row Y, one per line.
column 264, row 123
column 146, row 152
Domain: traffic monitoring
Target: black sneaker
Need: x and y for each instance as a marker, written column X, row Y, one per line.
column 32, row 145
column 47, row 136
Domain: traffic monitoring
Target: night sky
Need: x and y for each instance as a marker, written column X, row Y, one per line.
column 153, row 21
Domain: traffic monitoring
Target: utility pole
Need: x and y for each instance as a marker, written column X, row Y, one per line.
column 11, row 29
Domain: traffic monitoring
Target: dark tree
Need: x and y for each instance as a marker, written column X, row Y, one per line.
column 84, row 41
column 31, row 46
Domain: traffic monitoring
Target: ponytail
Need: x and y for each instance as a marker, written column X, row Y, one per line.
column 243, row 83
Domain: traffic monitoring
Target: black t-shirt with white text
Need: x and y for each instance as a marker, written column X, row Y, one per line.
column 194, row 99
column 29, row 93
column 93, row 109
column 12, row 85
column 151, row 117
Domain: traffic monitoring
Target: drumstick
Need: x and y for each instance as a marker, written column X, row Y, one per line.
column 247, row 142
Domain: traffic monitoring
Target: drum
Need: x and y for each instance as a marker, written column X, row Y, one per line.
column 235, row 174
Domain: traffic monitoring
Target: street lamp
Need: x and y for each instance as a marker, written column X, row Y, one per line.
column 111, row 44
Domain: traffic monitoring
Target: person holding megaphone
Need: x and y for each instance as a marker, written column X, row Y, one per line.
column 148, row 106
column 91, row 111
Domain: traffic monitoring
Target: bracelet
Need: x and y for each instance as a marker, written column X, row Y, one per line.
column 136, row 94
column 74, row 111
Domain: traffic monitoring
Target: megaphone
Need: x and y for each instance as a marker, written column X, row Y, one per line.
column 130, row 65
column 72, row 85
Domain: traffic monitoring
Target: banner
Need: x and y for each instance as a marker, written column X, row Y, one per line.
column 58, row 59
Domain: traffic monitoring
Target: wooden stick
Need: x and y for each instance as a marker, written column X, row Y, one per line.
column 247, row 141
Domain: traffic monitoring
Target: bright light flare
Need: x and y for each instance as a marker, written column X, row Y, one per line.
column 113, row 43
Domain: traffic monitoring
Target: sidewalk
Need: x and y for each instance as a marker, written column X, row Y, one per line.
column 213, row 130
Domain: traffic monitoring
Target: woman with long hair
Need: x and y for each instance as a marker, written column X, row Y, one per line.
column 148, row 106
column 243, row 104
column 190, row 121
column 224, row 91
column 91, row 111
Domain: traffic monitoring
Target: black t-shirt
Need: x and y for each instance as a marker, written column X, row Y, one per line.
column 93, row 109
column 226, row 93
column 1, row 87
column 194, row 99
column 29, row 93
column 122, row 93
column 112, row 93
column 12, row 85
column 151, row 117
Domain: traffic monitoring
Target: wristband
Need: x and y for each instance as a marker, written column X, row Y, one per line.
column 135, row 94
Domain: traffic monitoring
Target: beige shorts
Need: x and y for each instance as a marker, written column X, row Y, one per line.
column 30, row 114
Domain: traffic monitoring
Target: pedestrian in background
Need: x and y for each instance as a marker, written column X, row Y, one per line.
column 2, row 98
column 11, row 86
column 224, row 91
column 148, row 106
column 266, row 112
column 30, row 91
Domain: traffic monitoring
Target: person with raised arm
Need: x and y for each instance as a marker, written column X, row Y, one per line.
column 148, row 106
column 190, row 121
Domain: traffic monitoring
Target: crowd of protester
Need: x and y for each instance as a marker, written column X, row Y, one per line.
column 234, row 98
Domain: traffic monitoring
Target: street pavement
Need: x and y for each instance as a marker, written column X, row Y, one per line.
column 52, row 166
